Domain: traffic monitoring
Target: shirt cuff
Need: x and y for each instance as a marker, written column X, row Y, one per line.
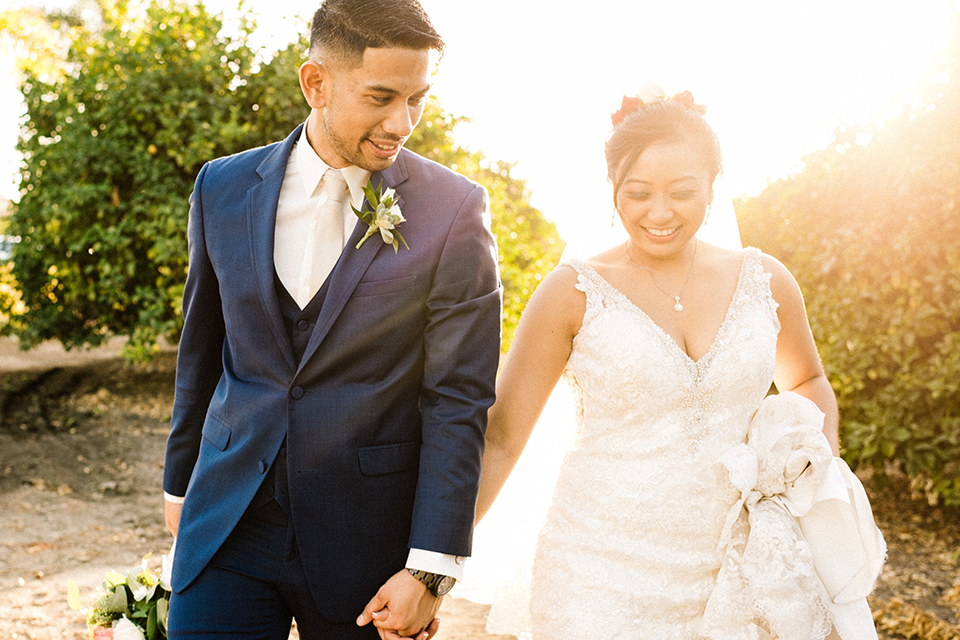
column 433, row 562
column 173, row 499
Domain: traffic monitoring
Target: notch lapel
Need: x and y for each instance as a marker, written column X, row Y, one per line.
column 262, row 202
column 353, row 262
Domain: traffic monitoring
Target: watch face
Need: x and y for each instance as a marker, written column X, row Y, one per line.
column 446, row 585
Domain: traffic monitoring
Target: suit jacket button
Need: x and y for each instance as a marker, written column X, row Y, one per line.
column 297, row 393
column 262, row 466
column 302, row 325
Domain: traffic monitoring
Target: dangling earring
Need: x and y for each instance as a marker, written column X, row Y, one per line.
column 706, row 216
column 613, row 218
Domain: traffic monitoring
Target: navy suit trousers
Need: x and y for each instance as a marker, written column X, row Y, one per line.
column 254, row 586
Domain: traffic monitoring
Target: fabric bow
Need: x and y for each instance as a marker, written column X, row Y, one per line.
column 801, row 549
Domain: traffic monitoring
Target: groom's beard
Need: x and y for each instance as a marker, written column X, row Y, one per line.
column 353, row 152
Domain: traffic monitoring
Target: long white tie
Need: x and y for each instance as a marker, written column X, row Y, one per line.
column 317, row 265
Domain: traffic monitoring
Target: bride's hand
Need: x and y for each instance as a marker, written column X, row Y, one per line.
column 171, row 514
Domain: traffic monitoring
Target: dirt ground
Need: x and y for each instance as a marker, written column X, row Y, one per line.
column 81, row 450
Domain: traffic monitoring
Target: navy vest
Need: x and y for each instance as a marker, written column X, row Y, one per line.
column 299, row 324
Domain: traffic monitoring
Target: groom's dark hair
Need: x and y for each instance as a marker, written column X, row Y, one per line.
column 344, row 29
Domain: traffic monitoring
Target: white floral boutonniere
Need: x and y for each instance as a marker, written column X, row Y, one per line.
column 384, row 217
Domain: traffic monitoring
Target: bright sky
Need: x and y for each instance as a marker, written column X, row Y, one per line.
column 539, row 81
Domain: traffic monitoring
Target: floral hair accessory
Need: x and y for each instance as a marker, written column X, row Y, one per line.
column 651, row 93
column 627, row 106
column 686, row 99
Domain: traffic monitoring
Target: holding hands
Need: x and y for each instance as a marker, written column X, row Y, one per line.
column 403, row 608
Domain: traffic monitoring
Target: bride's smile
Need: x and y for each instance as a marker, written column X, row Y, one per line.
column 663, row 200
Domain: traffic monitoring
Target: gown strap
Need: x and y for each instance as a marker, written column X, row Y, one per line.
column 591, row 284
column 756, row 283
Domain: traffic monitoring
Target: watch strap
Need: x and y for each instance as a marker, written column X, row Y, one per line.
column 433, row 581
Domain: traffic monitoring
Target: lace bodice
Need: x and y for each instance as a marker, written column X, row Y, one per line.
column 630, row 545
column 626, row 369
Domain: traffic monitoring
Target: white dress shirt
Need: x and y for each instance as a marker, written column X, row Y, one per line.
column 297, row 210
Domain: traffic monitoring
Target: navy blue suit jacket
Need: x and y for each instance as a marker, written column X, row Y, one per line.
column 385, row 413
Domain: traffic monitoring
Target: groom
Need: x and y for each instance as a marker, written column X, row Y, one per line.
column 331, row 399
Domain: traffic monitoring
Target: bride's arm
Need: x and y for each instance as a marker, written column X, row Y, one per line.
column 532, row 368
column 798, row 364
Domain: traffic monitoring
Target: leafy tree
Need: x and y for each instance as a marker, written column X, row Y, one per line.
column 112, row 146
column 870, row 228
column 33, row 40
column 529, row 244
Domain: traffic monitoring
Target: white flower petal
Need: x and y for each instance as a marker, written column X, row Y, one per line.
column 123, row 629
column 395, row 215
column 651, row 92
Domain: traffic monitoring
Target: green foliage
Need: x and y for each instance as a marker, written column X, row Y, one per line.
column 112, row 146
column 870, row 229
column 111, row 149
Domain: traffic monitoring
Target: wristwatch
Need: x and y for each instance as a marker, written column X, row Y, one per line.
column 437, row 584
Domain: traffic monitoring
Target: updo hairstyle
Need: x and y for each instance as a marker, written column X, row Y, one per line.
column 670, row 120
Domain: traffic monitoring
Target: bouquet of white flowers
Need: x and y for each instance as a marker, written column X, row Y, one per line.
column 130, row 606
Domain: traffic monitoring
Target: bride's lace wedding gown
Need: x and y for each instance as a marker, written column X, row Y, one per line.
column 645, row 537
column 629, row 548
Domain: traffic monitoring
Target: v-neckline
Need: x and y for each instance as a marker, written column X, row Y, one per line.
column 708, row 355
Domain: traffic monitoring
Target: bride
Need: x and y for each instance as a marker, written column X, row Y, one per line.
column 690, row 507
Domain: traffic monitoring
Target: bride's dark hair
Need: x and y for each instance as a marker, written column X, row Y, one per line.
column 637, row 126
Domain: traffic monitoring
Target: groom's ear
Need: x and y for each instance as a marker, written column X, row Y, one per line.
column 314, row 81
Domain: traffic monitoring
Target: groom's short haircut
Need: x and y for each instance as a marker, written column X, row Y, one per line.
column 343, row 29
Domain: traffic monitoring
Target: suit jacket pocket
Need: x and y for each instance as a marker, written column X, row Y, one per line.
column 389, row 458
column 216, row 432
column 379, row 287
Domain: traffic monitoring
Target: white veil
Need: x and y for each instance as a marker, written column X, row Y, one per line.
column 720, row 227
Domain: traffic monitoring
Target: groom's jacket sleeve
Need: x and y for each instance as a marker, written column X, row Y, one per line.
column 461, row 355
column 200, row 354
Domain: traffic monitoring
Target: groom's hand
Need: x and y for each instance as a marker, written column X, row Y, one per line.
column 403, row 607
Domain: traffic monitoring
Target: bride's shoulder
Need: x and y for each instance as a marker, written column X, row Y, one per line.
column 557, row 301
column 774, row 267
column 601, row 264
column 574, row 271
column 726, row 262
column 735, row 259
column 783, row 285
column 562, row 283
column 722, row 263
column 573, row 278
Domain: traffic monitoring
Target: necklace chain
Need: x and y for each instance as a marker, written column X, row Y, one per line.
column 676, row 298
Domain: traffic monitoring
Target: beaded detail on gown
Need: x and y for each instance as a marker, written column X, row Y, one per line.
column 629, row 548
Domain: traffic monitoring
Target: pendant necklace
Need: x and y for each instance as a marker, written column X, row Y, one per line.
column 676, row 307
